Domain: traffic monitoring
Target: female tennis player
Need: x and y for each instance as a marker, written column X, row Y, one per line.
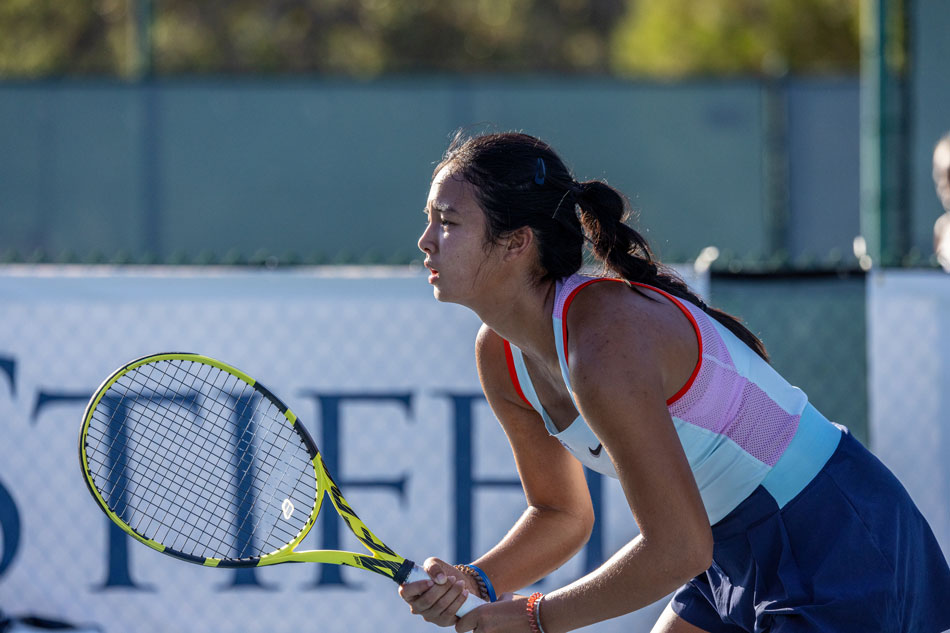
column 753, row 509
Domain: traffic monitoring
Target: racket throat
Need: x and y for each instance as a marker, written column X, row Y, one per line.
column 402, row 574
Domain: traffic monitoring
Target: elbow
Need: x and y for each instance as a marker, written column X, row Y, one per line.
column 697, row 553
column 585, row 530
column 585, row 521
column 573, row 526
column 703, row 560
column 686, row 554
column 580, row 523
column 581, row 528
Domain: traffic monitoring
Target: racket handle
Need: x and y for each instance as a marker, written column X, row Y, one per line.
column 472, row 601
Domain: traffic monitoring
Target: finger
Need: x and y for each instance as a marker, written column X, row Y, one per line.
column 431, row 596
column 453, row 608
column 444, row 605
column 411, row 591
column 443, row 612
column 438, row 569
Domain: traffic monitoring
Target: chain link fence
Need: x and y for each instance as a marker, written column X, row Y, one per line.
column 384, row 378
column 814, row 327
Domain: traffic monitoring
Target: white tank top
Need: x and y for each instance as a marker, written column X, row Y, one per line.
column 740, row 423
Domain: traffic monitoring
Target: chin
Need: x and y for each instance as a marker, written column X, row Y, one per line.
column 443, row 297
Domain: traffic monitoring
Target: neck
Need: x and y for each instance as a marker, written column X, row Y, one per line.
column 523, row 317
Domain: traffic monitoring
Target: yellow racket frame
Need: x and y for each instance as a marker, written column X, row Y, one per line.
column 383, row 560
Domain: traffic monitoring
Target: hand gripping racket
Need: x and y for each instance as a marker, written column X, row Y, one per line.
column 199, row 461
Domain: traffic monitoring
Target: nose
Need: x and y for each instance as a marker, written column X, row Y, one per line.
column 425, row 240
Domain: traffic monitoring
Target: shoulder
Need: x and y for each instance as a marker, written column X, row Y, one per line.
column 492, row 361
column 619, row 332
column 489, row 347
column 601, row 313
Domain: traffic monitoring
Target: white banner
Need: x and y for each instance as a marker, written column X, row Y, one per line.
column 909, row 386
column 381, row 374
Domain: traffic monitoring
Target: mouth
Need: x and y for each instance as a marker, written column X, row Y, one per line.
column 433, row 272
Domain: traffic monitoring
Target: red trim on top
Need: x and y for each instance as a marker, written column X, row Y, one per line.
column 510, row 359
column 567, row 304
column 689, row 315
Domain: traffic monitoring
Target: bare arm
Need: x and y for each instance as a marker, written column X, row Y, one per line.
column 559, row 515
column 622, row 371
column 556, row 523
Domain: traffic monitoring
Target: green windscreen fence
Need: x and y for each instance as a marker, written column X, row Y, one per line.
column 814, row 327
column 327, row 171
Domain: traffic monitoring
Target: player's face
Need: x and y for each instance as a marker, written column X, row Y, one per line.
column 454, row 241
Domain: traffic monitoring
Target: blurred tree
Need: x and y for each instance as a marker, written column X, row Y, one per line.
column 767, row 37
column 52, row 37
column 370, row 37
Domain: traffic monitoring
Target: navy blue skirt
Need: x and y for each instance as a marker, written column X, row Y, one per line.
column 850, row 552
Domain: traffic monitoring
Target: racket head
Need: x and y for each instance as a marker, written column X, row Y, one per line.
column 199, row 461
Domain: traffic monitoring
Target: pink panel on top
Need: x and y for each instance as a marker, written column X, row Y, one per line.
column 719, row 399
column 762, row 428
column 722, row 401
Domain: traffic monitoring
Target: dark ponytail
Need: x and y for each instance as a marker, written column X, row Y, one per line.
column 627, row 253
column 520, row 181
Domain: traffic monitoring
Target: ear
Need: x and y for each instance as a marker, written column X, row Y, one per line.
column 518, row 242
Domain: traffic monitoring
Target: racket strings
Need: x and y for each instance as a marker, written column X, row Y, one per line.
column 153, row 485
column 241, row 530
column 277, row 486
column 273, row 456
column 249, row 447
column 204, row 473
column 167, row 462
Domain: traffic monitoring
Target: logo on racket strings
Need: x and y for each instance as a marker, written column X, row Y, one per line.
column 287, row 507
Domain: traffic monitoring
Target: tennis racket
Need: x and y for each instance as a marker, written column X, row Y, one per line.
column 199, row 461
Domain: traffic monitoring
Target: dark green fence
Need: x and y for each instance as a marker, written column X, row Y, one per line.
column 814, row 326
column 323, row 171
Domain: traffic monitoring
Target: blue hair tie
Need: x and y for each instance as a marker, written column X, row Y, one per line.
column 540, row 172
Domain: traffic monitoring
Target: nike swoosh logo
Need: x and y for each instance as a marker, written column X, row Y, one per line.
column 596, row 451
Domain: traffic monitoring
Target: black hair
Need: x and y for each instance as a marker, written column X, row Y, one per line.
column 520, row 181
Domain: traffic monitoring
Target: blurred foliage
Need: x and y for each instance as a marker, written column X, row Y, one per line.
column 677, row 37
column 50, row 37
column 365, row 38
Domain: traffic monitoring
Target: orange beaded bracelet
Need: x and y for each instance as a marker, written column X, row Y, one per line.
column 534, row 612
